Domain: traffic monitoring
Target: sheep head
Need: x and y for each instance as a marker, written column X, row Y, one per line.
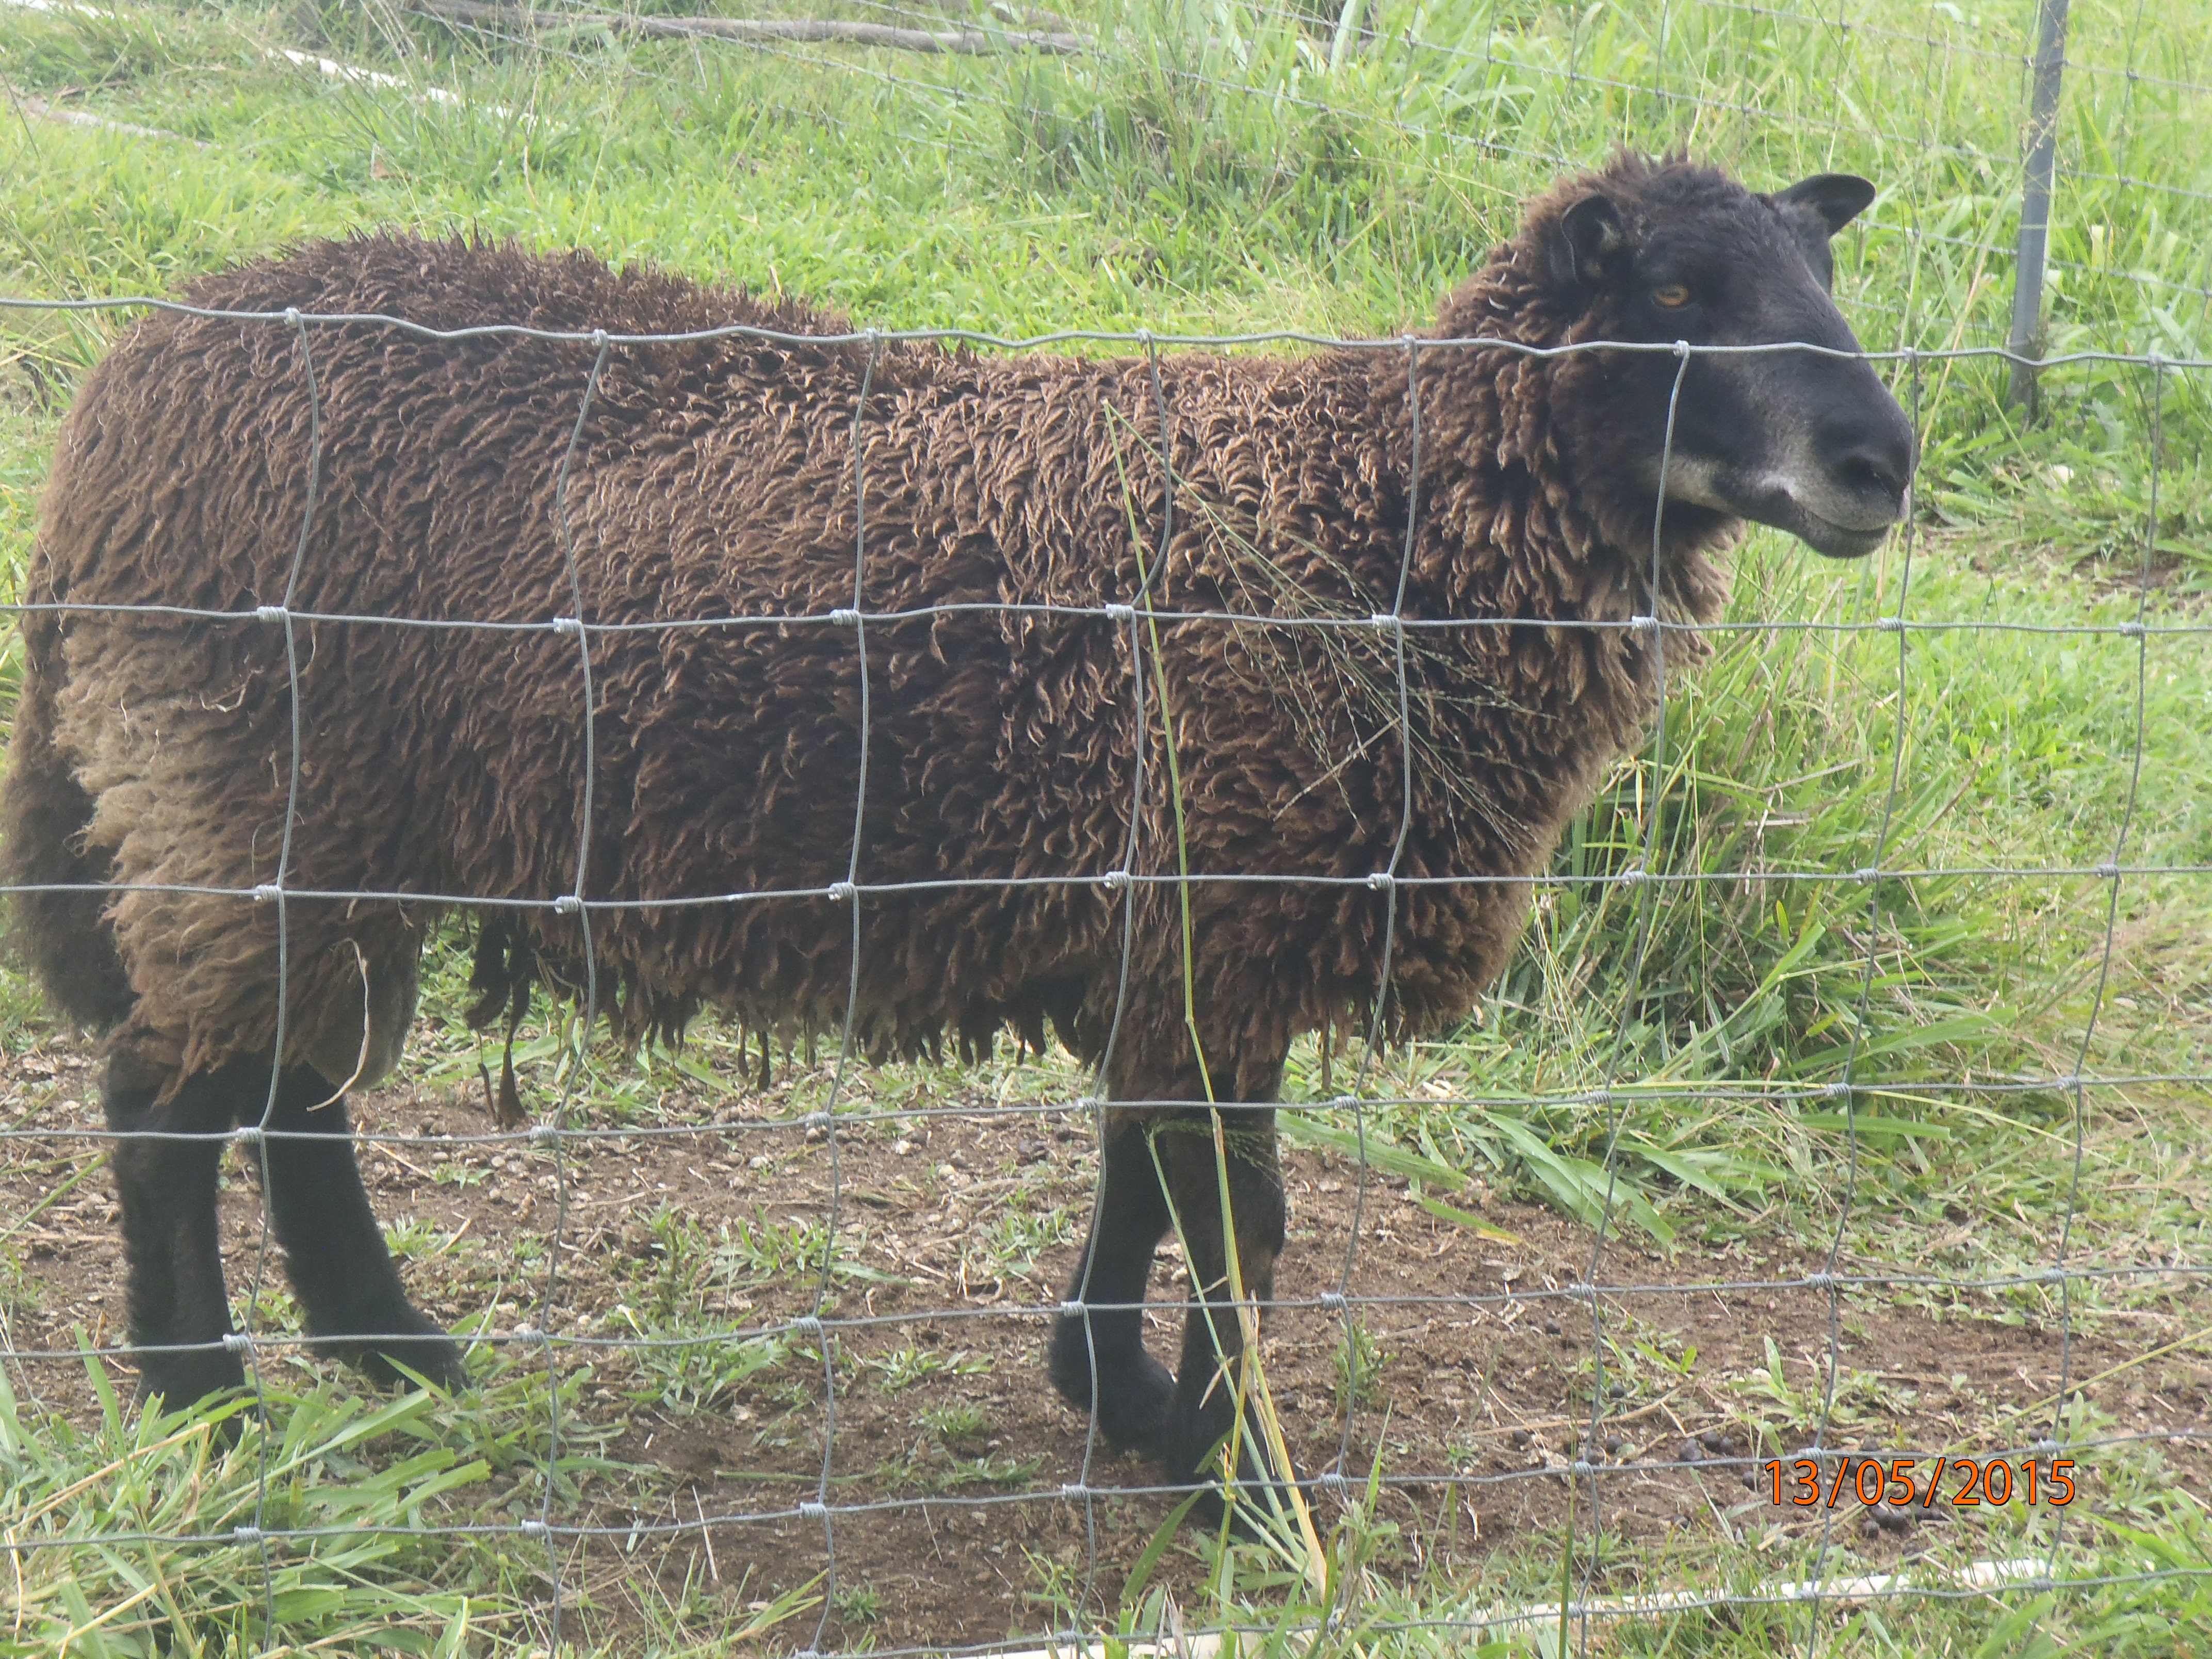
column 1810, row 441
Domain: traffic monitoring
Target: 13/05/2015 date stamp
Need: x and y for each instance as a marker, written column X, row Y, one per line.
column 1912, row 1481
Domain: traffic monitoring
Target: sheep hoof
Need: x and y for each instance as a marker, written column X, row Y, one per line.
column 187, row 1378
column 416, row 1343
column 1135, row 1396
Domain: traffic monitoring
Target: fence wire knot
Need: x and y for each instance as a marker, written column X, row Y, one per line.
column 544, row 1135
column 568, row 627
column 808, row 1325
column 245, row 1534
column 1644, row 624
column 813, row 1508
column 1332, row 1300
column 1385, row 619
column 1115, row 879
column 1582, row 1468
column 1121, row 613
column 2108, row 870
column 567, row 905
column 247, row 1134
column 270, row 613
column 838, row 891
column 1890, row 625
column 535, row 1528
column 1823, row 1281
column 1382, row 881
column 238, row 1341
column 1074, row 1491
column 845, row 617
column 1835, row 1090
column 267, row 892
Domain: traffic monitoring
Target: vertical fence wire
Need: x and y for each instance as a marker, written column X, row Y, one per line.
column 1846, row 1088
column 554, row 1135
column 1590, row 1454
column 256, row 1136
column 2110, row 874
column 1385, row 882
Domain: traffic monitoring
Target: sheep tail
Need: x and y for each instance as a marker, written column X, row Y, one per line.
column 504, row 969
column 64, row 937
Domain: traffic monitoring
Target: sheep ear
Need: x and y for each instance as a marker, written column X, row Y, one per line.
column 1837, row 197
column 1590, row 246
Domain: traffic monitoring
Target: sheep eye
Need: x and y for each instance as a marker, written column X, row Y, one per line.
column 1671, row 295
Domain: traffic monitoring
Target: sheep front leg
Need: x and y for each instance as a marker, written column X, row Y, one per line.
column 1103, row 1341
column 179, row 1312
column 1208, row 1379
column 349, row 1290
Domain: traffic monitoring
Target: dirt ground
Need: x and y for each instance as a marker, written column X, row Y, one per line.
column 1475, row 1397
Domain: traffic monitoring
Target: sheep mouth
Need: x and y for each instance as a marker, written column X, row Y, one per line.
column 1825, row 535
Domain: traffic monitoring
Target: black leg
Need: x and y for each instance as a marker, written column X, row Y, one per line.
column 1135, row 1390
column 1205, row 1408
column 348, row 1288
column 165, row 1189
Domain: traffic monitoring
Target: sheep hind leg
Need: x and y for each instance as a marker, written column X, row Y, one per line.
column 1098, row 1352
column 341, row 1270
column 1209, row 1377
column 165, row 1189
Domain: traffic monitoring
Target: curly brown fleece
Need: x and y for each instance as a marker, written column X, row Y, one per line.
column 716, row 480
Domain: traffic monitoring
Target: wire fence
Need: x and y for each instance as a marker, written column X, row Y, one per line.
column 1614, row 1072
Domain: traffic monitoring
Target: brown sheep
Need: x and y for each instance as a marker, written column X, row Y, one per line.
column 715, row 479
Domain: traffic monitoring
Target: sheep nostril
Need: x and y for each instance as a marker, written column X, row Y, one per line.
column 1871, row 473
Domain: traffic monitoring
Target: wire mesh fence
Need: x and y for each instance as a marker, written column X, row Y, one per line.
column 1655, row 882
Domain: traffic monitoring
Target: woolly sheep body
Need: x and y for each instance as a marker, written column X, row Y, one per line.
column 710, row 504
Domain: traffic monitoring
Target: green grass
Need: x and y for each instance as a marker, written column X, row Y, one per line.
column 1227, row 167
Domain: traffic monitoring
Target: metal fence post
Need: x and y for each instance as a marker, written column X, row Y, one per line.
column 2027, row 339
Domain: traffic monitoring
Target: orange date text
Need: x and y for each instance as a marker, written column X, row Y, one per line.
column 1915, row 1482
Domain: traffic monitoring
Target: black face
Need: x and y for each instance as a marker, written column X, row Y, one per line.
column 1808, row 443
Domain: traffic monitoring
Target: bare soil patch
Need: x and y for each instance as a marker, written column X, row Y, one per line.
column 963, row 1231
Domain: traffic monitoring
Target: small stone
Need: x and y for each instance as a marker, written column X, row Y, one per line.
column 1869, row 1527
column 1521, row 1437
column 1715, row 1441
column 1616, row 1390
column 757, row 1161
column 1612, row 1446
column 1033, row 1152
column 1551, row 1328
column 1750, row 1480
column 947, row 1172
column 1692, row 1452
column 1892, row 1519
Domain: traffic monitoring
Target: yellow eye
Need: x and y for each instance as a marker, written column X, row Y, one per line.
column 1672, row 296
